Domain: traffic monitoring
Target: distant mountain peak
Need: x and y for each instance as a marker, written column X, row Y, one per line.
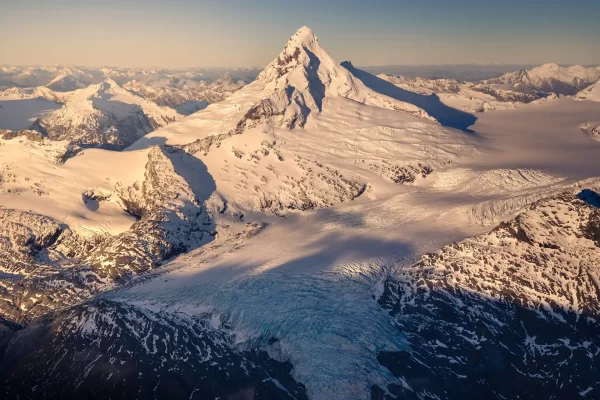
column 108, row 83
column 65, row 82
column 296, row 52
column 104, row 115
column 552, row 78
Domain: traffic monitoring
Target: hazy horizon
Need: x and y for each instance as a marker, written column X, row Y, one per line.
column 256, row 67
column 249, row 34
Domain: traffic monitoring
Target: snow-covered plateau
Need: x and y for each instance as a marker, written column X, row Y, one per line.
column 317, row 233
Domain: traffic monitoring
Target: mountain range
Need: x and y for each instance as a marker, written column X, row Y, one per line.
column 69, row 78
column 551, row 78
column 467, row 96
column 188, row 91
column 185, row 95
column 106, row 114
column 320, row 232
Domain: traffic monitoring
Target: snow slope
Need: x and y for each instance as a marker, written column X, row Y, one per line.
column 45, row 186
column 21, row 107
column 30, row 76
column 91, row 234
column 519, row 303
column 590, row 93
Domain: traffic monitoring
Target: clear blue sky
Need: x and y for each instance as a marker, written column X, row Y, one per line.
column 242, row 33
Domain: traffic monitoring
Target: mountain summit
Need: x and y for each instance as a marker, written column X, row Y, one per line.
column 304, row 74
column 303, row 37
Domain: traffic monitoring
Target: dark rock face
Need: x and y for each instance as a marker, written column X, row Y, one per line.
column 32, row 135
column 590, row 197
column 460, row 354
column 7, row 330
column 510, row 314
column 109, row 350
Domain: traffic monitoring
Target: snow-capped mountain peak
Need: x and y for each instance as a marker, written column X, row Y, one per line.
column 552, row 78
column 108, row 83
column 302, row 49
column 552, row 70
column 36, row 92
column 303, row 74
column 105, row 115
column 67, row 81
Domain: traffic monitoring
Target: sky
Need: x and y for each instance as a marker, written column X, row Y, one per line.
column 250, row 33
